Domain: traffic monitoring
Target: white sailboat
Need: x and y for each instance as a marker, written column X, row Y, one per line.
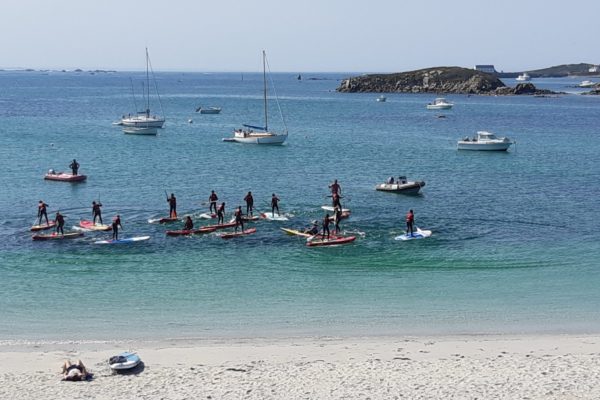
column 261, row 134
column 143, row 119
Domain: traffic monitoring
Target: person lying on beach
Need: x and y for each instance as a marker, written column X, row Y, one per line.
column 74, row 372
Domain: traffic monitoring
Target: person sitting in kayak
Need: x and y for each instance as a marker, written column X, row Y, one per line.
column 239, row 220
column 42, row 212
column 220, row 213
column 116, row 224
column 335, row 201
column 249, row 203
column 189, row 224
column 274, row 204
column 96, row 212
column 335, row 188
column 213, row 201
column 172, row 206
column 60, row 223
column 337, row 217
column 314, row 229
column 326, row 222
column 74, row 166
column 410, row 220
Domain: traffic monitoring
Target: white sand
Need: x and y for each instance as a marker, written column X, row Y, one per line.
column 469, row 367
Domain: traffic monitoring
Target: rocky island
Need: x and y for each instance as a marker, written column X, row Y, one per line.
column 436, row 80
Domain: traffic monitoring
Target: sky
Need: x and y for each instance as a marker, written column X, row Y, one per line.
column 299, row 36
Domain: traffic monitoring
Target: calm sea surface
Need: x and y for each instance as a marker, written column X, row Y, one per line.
column 515, row 245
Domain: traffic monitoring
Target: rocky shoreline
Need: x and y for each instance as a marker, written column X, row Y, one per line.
column 439, row 80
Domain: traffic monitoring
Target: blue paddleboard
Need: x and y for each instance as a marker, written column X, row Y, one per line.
column 124, row 241
column 418, row 234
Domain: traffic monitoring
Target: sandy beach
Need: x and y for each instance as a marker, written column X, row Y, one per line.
column 462, row 367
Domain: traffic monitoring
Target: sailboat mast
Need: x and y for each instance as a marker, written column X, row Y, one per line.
column 148, row 85
column 265, row 90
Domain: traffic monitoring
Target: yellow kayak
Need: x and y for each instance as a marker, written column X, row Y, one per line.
column 294, row 232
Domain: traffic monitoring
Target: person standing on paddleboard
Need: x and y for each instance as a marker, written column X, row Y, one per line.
column 335, row 201
column 249, row 203
column 42, row 212
column 239, row 220
column 220, row 213
column 274, row 204
column 189, row 224
column 96, row 212
column 116, row 224
column 326, row 222
column 213, row 201
column 172, row 206
column 337, row 218
column 410, row 220
column 60, row 223
column 335, row 188
column 74, row 166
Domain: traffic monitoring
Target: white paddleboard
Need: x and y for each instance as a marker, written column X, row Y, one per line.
column 207, row 216
column 330, row 208
column 417, row 234
column 277, row 217
column 124, row 240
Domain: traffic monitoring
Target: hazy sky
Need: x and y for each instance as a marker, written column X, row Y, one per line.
column 299, row 36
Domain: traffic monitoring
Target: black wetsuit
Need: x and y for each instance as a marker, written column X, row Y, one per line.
column 189, row 225
column 74, row 167
column 60, row 223
column 249, row 204
column 335, row 200
column 172, row 206
column 42, row 213
column 213, row 202
column 338, row 217
column 220, row 214
column 115, row 228
column 96, row 212
column 239, row 220
column 274, row 205
column 326, row 226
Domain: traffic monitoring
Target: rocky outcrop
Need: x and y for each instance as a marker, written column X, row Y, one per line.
column 440, row 80
column 595, row 90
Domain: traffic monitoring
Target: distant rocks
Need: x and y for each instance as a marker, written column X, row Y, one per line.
column 595, row 90
column 439, row 80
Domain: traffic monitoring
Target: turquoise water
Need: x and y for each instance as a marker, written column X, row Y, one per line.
column 515, row 245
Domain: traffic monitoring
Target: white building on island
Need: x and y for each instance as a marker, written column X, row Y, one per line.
column 594, row 69
column 487, row 68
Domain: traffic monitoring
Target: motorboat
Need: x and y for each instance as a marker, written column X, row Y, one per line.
column 208, row 110
column 524, row 77
column 587, row 84
column 439, row 104
column 401, row 185
column 64, row 177
column 141, row 130
column 381, row 99
column 486, row 141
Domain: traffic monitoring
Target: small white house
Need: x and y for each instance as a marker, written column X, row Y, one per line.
column 594, row 69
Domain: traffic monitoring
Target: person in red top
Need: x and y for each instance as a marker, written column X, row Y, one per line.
column 410, row 220
column 42, row 212
column 335, row 188
column 249, row 203
column 213, row 201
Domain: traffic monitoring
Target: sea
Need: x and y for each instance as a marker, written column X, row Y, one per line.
column 515, row 245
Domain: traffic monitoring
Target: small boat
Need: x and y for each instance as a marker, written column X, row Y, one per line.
column 587, row 84
column 524, row 77
column 56, row 236
column 42, row 227
column 186, row 232
column 140, row 130
column 231, row 235
column 64, row 177
column 124, row 361
column 208, row 110
column 124, row 240
column 381, row 99
column 91, row 226
column 485, row 141
column 440, row 104
column 319, row 240
column 401, row 186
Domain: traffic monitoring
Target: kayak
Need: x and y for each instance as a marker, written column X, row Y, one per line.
column 276, row 217
column 65, row 177
column 90, row 226
column 418, row 234
column 330, row 208
column 55, row 236
column 207, row 216
column 294, row 232
column 42, row 227
column 318, row 240
column 124, row 241
column 231, row 235
column 184, row 232
column 222, row 226
column 164, row 220
column 124, row 361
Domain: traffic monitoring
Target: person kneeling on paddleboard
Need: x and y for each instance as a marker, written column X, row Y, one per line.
column 220, row 213
column 74, row 166
column 60, row 223
column 213, row 201
column 239, row 220
column 410, row 220
column 274, row 205
column 42, row 212
column 115, row 227
column 172, row 206
column 96, row 212
column 249, row 203
column 326, row 221
column 189, row 224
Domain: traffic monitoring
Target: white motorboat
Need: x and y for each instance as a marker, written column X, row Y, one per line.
column 524, row 77
column 140, row 130
column 401, row 185
column 381, row 99
column 263, row 135
column 485, row 141
column 440, row 104
column 144, row 119
column 208, row 110
column 587, row 84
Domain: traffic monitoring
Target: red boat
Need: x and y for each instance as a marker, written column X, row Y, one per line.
column 231, row 235
column 42, row 227
column 333, row 240
column 64, row 177
column 184, row 232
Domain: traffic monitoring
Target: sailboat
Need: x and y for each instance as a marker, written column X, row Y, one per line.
column 262, row 135
column 144, row 119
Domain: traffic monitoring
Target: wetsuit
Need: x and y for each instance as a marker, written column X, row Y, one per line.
column 115, row 228
column 335, row 201
column 96, row 212
column 60, row 223
column 189, row 224
column 326, row 225
column 338, row 218
column 42, row 213
column 335, row 188
column 220, row 214
column 274, row 205
column 74, row 167
column 249, row 203
column 239, row 220
column 313, row 230
column 410, row 220
column 213, row 201
column 172, row 206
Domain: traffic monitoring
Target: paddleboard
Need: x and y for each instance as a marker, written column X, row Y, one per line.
column 42, row 227
column 184, row 232
column 330, row 208
column 89, row 225
column 276, row 217
column 207, row 216
column 124, row 240
column 164, row 220
column 231, row 235
column 295, row 232
column 418, row 234
column 222, row 226
column 55, row 236
column 124, row 361
column 247, row 218
column 318, row 240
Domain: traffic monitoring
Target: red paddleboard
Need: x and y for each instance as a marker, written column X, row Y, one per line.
column 65, row 177
column 231, row 235
column 167, row 220
column 55, row 236
column 184, row 232
column 85, row 224
column 332, row 241
column 42, row 227
column 222, row 226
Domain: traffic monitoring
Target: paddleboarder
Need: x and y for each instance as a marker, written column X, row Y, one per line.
column 189, row 224
column 249, row 203
column 337, row 218
column 116, row 224
column 42, row 212
column 239, row 220
column 74, row 166
column 274, row 204
column 172, row 206
column 410, row 220
column 314, row 228
column 335, row 201
column 335, row 188
column 220, row 213
column 326, row 222
column 96, row 212
column 213, row 201
column 60, row 223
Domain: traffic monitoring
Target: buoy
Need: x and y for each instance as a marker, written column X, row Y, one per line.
column 190, row 121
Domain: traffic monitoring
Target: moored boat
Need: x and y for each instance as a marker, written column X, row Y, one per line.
column 64, row 177
column 586, row 84
column 485, row 141
column 382, row 99
column 524, row 77
column 208, row 110
column 402, row 185
column 440, row 104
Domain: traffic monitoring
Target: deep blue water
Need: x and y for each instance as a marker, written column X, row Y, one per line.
column 515, row 243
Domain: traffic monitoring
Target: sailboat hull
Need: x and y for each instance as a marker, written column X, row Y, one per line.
column 266, row 138
column 143, row 122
